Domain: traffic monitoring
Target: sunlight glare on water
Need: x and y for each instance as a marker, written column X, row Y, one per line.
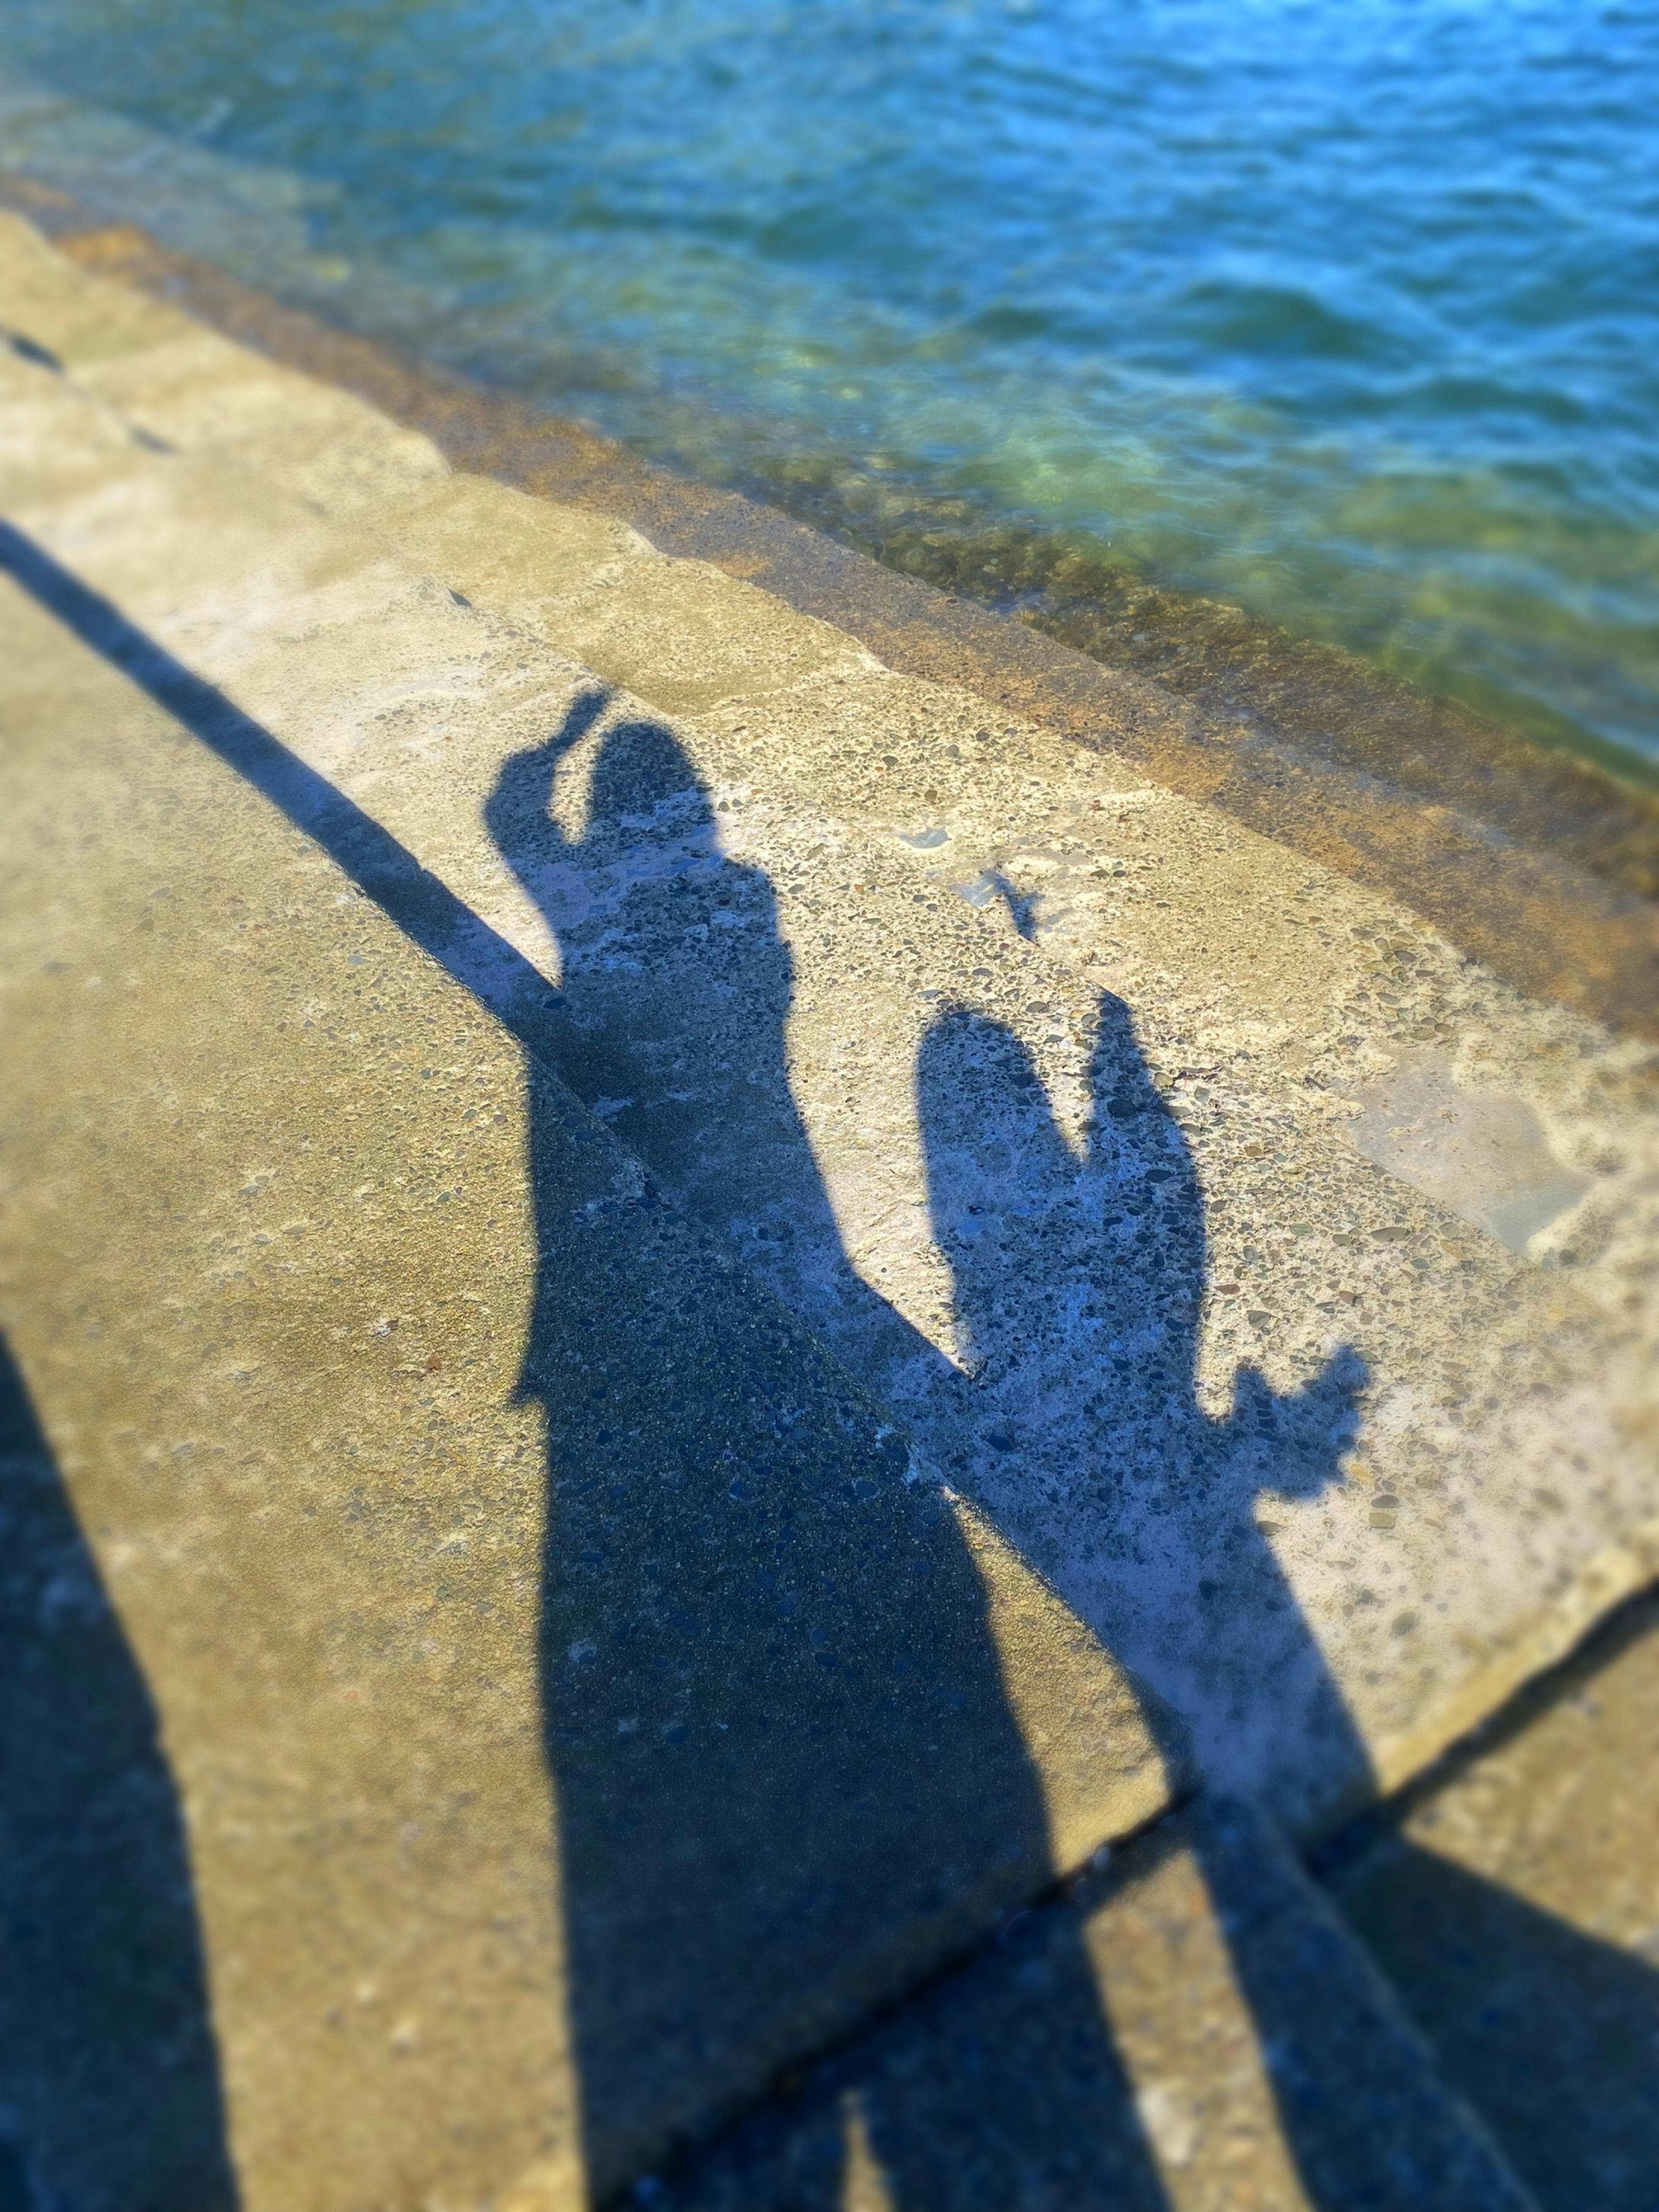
column 1344, row 309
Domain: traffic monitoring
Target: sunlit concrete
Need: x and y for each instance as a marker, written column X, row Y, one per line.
column 1100, row 1139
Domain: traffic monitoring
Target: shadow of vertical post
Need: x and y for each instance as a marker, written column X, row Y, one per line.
column 109, row 2079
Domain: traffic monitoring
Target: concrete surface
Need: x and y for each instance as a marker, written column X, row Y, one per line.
column 1263, row 2069
column 1265, row 1290
column 319, row 1562
column 1513, row 1902
column 921, row 913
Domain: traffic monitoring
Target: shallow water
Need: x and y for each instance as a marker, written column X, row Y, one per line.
column 1348, row 313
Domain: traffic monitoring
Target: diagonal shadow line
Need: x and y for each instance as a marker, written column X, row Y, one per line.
column 428, row 913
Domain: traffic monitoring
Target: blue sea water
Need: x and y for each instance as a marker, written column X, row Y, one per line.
column 1346, row 311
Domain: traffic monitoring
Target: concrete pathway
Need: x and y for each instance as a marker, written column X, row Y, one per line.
column 475, row 972
column 1513, row 1901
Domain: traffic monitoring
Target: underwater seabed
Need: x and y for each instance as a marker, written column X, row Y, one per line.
column 1290, row 493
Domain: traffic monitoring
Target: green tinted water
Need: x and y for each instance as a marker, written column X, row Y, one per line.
column 1347, row 313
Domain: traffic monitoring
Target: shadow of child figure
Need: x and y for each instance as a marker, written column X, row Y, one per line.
column 1077, row 1276
column 775, row 1713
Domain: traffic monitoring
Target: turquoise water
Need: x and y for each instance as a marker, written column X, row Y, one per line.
column 1347, row 311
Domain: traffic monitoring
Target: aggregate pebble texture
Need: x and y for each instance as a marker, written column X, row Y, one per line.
column 1275, row 1282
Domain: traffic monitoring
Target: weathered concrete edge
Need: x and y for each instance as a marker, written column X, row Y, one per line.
column 1538, row 920
column 1618, row 1573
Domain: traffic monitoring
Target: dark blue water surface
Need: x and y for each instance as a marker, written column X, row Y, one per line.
column 1345, row 309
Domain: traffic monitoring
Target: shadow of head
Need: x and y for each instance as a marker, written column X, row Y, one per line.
column 674, row 981
column 639, row 775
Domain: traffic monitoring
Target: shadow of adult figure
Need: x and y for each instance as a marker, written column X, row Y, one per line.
column 109, row 2078
column 775, row 1716
column 670, row 1023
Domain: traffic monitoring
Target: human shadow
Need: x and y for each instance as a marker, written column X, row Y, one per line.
column 783, row 1750
column 1078, row 1279
column 1078, row 1269
column 786, row 1771
column 110, row 2096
